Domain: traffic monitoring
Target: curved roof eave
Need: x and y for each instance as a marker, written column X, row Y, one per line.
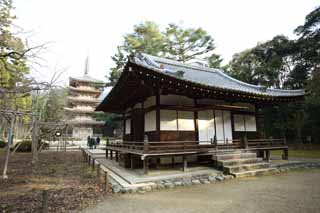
column 149, row 63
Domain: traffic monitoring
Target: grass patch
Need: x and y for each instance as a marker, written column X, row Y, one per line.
column 301, row 151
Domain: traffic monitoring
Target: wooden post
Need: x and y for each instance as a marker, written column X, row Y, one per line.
column 285, row 154
column 89, row 159
column 111, row 154
column 117, row 156
column 145, row 165
column 185, row 163
column 98, row 171
column 92, row 165
column 196, row 126
column 215, row 142
column 106, row 181
column 245, row 141
column 131, row 161
column 107, row 143
column 146, row 147
column 268, row 155
column 44, row 201
column 158, row 114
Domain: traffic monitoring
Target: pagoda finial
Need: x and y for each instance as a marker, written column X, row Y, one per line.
column 86, row 69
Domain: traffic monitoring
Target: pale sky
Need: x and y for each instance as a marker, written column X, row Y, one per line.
column 76, row 27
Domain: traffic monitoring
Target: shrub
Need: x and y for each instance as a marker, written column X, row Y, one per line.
column 2, row 144
column 25, row 146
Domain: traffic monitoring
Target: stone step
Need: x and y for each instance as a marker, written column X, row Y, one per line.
column 234, row 162
column 252, row 173
column 234, row 156
column 245, row 167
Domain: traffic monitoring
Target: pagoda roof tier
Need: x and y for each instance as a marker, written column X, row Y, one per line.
column 78, row 89
column 143, row 75
column 87, row 78
column 83, row 100
column 77, row 110
column 88, row 122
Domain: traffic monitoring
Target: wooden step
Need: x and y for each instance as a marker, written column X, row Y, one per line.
column 234, row 162
column 245, row 167
column 252, row 173
column 235, row 156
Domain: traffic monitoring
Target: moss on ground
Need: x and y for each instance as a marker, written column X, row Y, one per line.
column 301, row 151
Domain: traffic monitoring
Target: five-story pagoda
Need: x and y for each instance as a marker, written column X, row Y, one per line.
column 82, row 100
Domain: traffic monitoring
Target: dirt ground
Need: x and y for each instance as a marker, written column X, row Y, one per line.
column 70, row 183
column 297, row 191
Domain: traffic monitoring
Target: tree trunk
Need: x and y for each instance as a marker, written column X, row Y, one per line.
column 34, row 146
column 10, row 141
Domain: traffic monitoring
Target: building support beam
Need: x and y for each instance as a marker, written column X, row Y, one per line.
column 185, row 163
column 158, row 114
column 285, row 154
column 196, row 128
column 131, row 161
column 146, row 165
column 117, row 156
column 268, row 155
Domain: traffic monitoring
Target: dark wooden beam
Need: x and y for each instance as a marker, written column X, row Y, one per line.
column 196, row 128
column 158, row 114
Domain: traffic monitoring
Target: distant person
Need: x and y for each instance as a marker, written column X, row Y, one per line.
column 94, row 144
column 98, row 140
column 88, row 141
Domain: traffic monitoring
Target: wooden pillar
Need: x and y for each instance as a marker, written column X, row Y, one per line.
column 107, row 152
column 92, row 164
column 185, row 163
column 98, row 171
column 145, row 165
column 285, row 154
column 111, row 154
column 124, row 127
column 106, row 181
column 196, row 128
column 268, row 155
column 117, row 156
column 158, row 114
column 131, row 161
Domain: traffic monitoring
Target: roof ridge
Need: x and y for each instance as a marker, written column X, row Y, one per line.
column 219, row 71
column 178, row 63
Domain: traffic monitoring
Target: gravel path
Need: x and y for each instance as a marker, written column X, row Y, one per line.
column 297, row 191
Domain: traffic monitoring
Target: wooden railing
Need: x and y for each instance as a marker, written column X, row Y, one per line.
column 175, row 146
column 261, row 143
column 195, row 146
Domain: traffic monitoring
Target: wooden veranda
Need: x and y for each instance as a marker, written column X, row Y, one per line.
column 156, row 149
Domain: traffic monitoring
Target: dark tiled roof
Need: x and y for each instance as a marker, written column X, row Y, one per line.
column 207, row 76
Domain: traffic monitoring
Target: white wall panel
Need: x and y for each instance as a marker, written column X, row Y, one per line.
column 185, row 120
column 238, row 123
column 219, row 125
column 250, row 121
column 205, row 125
column 150, row 121
column 168, row 120
column 227, row 126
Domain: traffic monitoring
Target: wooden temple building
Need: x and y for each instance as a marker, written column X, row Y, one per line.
column 82, row 100
column 176, row 112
